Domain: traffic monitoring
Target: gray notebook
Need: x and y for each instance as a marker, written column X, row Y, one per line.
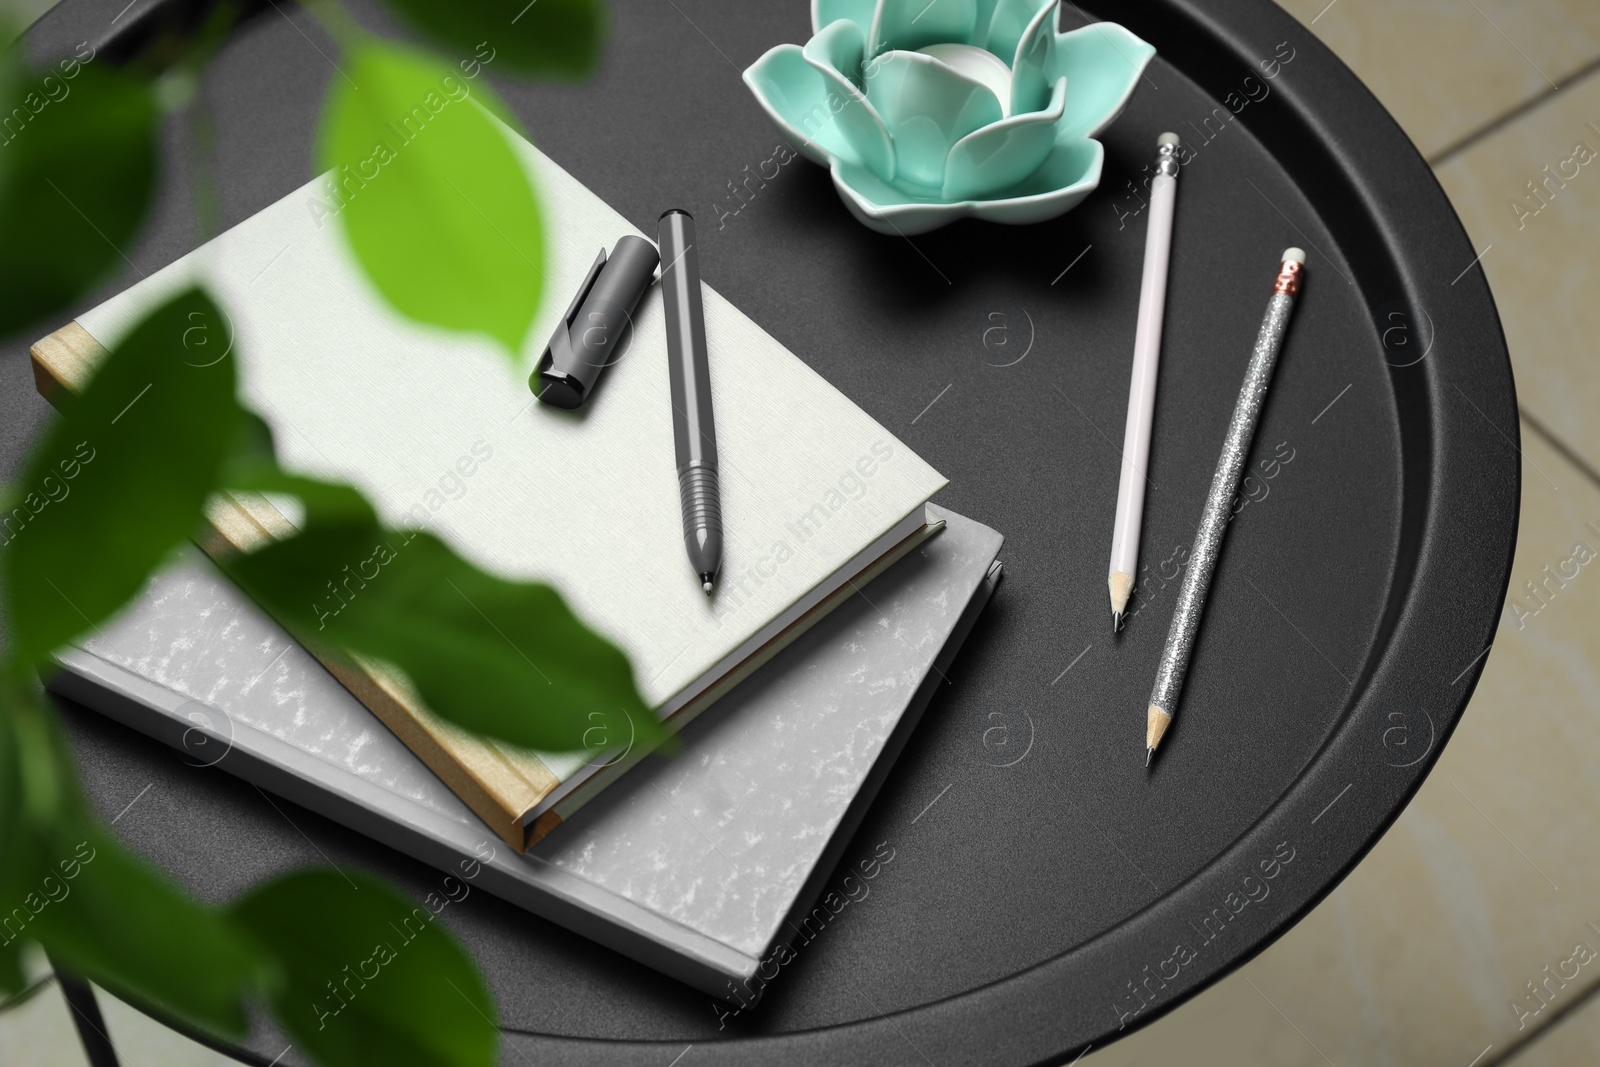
column 690, row 864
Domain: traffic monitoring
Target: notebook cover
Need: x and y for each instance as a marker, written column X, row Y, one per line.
column 440, row 431
column 696, row 865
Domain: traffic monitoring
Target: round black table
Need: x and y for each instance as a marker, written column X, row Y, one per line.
column 1041, row 904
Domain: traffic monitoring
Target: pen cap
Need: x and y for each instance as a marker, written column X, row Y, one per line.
column 586, row 341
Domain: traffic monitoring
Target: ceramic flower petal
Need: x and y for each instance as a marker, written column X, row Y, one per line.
column 858, row 11
column 1070, row 173
column 927, row 107
column 808, row 105
column 1010, row 21
column 1001, row 155
column 838, row 53
column 1034, row 68
column 839, row 48
column 980, row 25
column 928, row 111
column 1105, row 63
column 910, row 24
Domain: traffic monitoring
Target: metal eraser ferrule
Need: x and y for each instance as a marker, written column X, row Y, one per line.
column 585, row 342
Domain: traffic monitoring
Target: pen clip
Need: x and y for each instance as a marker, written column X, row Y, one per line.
column 559, row 354
column 564, row 337
column 583, row 290
column 573, row 359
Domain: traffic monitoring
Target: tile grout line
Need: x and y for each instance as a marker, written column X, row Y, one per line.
column 1566, row 451
column 1588, row 998
column 1500, row 122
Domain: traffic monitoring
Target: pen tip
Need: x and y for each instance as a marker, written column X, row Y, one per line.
column 1116, row 622
column 1149, row 754
column 705, row 583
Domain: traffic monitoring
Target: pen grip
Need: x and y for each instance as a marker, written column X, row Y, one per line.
column 701, row 498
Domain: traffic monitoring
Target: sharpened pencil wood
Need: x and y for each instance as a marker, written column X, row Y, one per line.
column 1121, row 586
column 1156, row 722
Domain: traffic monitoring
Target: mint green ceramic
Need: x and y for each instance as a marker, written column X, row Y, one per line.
column 926, row 111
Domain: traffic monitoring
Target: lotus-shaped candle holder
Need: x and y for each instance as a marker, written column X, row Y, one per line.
column 926, row 111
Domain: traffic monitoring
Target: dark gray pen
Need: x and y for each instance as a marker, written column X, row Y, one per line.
column 694, row 431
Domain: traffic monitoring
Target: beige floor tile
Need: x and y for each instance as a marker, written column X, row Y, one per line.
column 142, row 1042
column 1231, row 1025
column 1424, row 953
column 1542, row 263
column 1445, row 68
column 1574, row 1041
column 40, row 1033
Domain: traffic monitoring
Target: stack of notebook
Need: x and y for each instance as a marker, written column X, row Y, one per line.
column 691, row 863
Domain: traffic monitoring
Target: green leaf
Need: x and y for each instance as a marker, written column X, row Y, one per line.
column 67, row 885
column 77, row 169
column 435, row 202
column 559, row 38
column 11, row 798
column 325, row 502
column 17, row 862
column 253, row 466
column 503, row 658
column 108, row 917
column 121, row 477
column 373, row 978
column 13, row 971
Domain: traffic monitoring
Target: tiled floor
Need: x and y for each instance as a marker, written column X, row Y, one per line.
column 1575, row 1039
column 40, row 1033
column 1490, row 881
column 1446, row 69
column 1524, row 194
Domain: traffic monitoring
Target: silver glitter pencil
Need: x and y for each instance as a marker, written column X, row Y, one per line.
column 1214, row 520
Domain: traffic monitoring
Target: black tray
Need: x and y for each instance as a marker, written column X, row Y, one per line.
column 1042, row 881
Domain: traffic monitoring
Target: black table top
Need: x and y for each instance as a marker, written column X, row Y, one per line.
column 1037, row 904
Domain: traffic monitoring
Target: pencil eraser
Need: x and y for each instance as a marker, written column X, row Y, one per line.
column 1166, row 139
column 1295, row 255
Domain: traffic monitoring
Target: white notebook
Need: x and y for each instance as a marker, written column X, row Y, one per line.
column 440, row 430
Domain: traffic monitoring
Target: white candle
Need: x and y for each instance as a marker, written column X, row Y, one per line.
column 978, row 64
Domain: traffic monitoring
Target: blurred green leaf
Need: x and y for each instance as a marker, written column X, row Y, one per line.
column 121, row 477
column 77, row 168
column 324, row 502
column 373, row 978
column 466, row 639
column 108, row 917
column 68, row 886
column 38, row 780
column 13, row 973
column 503, row 658
column 11, row 803
column 435, row 202
column 559, row 38
column 16, row 853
